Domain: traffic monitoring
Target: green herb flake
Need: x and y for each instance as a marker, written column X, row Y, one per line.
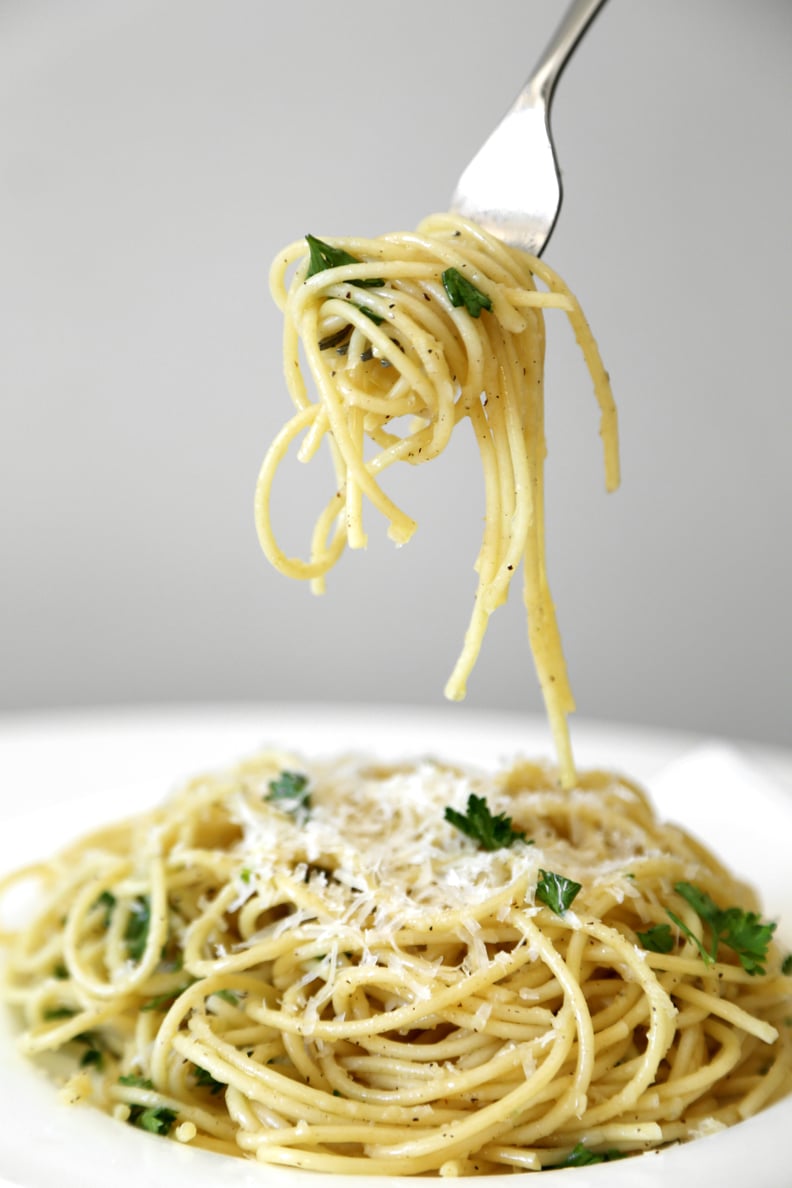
column 162, row 1001
column 706, row 957
column 581, row 1156
column 173, row 959
column 657, row 939
column 92, row 1057
column 461, row 292
column 339, row 341
column 61, row 1012
column 324, row 255
column 60, row 972
column 556, row 891
column 290, row 792
column 786, row 965
column 137, row 928
column 477, row 822
column 246, row 875
column 375, row 318
column 205, row 1079
column 134, row 1081
column 227, row 996
column 156, row 1121
column 107, row 901
column 745, row 933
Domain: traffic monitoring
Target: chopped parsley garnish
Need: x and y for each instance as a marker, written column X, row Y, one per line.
column 581, row 1156
column 290, row 792
column 108, row 901
column 92, row 1057
column 491, row 832
column 657, row 939
column 135, row 1081
column 93, row 1054
column 556, row 891
column 156, row 1121
column 324, row 255
column 227, row 996
column 61, row 1012
column 60, row 972
column 375, row 318
column 786, row 964
column 745, row 933
column 161, row 1001
column 246, row 874
column 137, row 928
column 461, row 292
column 339, row 340
column 205, row 1079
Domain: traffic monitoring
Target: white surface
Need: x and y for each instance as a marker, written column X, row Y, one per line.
column 60, row 774
column 154, row 157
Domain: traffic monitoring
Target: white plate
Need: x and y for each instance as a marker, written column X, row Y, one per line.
column 63, row 773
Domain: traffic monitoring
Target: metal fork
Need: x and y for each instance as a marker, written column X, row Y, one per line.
column 512, row 187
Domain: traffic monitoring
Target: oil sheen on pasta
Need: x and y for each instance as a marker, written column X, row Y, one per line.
column 395, row 368
column 334, row 977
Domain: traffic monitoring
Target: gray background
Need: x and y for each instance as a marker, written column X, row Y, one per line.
column 154, row 157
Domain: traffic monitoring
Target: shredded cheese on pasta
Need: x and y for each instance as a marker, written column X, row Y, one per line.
column 352, row 985
column 313, row 963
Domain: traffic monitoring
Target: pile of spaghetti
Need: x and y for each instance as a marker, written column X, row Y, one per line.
column 352, row 967
column 404, row 338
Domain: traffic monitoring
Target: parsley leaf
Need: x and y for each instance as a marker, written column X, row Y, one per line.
column 491, row 832
column 556, row 891
column 581, row 1156
column 706, row 957
column 748, row 936
column 227, row 996
column 137, row 928
column 156, row 1121
column 290, row 791
column 61, row 1012
column 743, row 932
column 162, row 1001
column 461, row 292
column 657, row 939
column 108, row 901
column 134, row 1081
column 204, row 1078
column 92, row 1056
column 324, row 255
column 786, row 964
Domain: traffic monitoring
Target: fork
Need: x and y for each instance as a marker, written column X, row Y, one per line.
column 512, row 187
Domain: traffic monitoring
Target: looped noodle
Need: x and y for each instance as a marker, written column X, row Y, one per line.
column 396, row 365
column 359, row 989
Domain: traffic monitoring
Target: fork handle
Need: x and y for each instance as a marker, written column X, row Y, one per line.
column 541, row 84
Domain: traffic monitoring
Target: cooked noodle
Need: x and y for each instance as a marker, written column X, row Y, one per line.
column 349, row 984
column 316, row 965
column 436, row 365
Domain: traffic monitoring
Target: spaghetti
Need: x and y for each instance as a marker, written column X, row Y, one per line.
column 414, row 969
column 314, row 966
column 405, row 337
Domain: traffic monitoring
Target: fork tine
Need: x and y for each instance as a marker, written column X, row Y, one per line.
column 512, row 187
